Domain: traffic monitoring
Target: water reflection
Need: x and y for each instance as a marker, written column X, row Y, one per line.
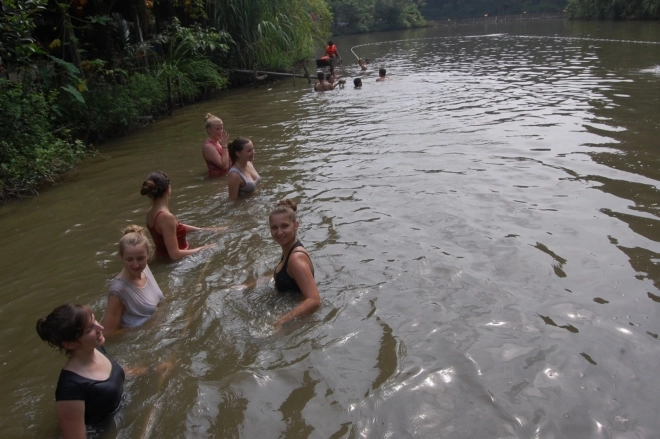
column 482, row 226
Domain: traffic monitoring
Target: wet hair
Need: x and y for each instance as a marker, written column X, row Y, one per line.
column 237, row 146
column 210, row 120
column 155, row 185
column 382, row 72
column 286, row 206
column 66, row 323
column 357, row 82
column 320, row 76
column 134, row 236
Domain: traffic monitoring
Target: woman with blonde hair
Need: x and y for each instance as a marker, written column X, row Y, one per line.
column 215, row 151
column 133, row 294
column 295, row 271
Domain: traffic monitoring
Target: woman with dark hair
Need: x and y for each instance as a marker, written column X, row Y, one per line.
column 242, row 179
column 295, row 271
column 133, row 294
column 169, row 235
column 91, row 384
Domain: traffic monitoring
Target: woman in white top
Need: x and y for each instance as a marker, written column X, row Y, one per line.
column 133, row 294
column 242, row 179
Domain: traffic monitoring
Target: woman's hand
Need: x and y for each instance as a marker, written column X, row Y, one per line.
column 217, row 229
column 224, row 139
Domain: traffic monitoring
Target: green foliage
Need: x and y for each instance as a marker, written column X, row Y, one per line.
column 17, row 44
column 374, row 15
column 614, row 9
column 112, row 108
column 32, row 149
column 185, row 62
column 271, row 34
column 456, row 9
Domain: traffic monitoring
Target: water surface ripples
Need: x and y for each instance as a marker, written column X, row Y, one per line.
column 483, row 228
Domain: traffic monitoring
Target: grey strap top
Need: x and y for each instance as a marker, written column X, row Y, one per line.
column 140, row 303
column 250, row 185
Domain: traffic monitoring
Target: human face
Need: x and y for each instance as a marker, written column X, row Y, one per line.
column 135, row 259
column 93, row 335
column 247, row 153
column 282, row 229
column 216, row 130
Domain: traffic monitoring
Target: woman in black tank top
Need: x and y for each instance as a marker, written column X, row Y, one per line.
column 295, row 271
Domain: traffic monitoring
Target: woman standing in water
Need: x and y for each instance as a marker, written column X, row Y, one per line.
column 169, row 235
column 214, row 150
column 91, row 384
column 242, row 179
column 133, row 294
column 295, row 271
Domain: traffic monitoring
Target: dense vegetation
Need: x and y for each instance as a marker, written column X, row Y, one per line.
column 455, row 9
column 614, row 9
column 352, row 16
column 75, row 72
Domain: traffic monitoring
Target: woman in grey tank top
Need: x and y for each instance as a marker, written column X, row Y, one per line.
column 133, row 294
column 242, row 179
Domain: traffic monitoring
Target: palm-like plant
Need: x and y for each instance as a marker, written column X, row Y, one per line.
column 185, row 59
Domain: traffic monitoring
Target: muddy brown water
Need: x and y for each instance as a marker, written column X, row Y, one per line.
column 484, row 228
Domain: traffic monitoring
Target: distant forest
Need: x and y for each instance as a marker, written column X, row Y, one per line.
column 580, row 9
column 454, row 9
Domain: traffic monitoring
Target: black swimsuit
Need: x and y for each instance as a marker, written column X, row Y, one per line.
column 101, row 398
column 284, row 282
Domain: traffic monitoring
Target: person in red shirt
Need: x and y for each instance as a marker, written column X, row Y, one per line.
column 331, row 50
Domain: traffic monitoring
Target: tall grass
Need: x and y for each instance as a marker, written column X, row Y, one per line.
column 271, row 34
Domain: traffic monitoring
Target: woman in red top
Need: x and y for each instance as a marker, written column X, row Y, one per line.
column 169, row 235
column 214, row 150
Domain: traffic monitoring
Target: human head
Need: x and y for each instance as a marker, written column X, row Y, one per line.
column 210, row 121
column 382, row 72
column 330, row 43
column 156, row 185
column 320, row 76
column 285, row 206
column 134, row 236
column 237, row 146
column 357, row 82
column 66, row 323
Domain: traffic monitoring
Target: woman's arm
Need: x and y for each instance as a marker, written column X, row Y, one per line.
column 210, row 152
column 300, row 270
column 113, row 313
column 233, row 184
column 167, row 224
column 71, row 416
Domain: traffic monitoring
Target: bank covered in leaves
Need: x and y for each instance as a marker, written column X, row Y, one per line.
column 77, row 72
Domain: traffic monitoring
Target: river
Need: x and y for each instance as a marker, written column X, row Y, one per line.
column 484, row 228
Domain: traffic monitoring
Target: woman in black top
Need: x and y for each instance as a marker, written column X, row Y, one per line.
column 295, row 271
column 90, row 386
